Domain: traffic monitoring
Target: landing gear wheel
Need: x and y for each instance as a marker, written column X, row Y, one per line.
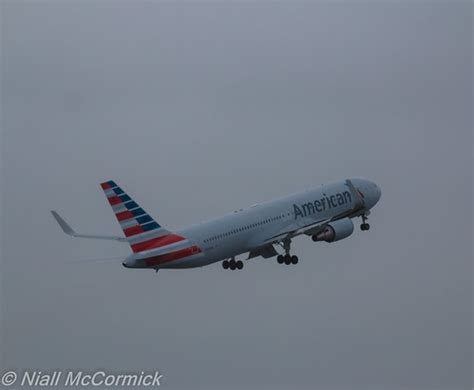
column 280, row 259
column 294, row 259
column 287, row 259
column 232, row 264
column 225, row 264
column 239, row 264
column 365, row 226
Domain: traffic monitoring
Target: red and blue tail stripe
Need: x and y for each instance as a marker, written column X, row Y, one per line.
column 142, row 231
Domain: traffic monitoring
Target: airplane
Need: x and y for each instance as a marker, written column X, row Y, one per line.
column 323, row 213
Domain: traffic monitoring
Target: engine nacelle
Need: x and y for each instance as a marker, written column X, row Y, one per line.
column 335, row 231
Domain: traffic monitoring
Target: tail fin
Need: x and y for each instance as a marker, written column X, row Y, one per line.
column 142, row 231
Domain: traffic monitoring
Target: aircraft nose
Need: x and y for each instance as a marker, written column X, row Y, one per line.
column 378, row 192
column 124, row 263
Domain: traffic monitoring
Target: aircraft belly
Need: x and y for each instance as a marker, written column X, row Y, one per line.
column 192, row 262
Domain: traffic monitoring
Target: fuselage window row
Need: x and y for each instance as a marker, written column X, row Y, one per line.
column 238, row 230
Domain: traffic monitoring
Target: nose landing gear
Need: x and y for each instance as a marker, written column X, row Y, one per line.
column 364, row 226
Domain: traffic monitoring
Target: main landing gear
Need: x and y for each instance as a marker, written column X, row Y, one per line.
column 287, row 258
column 232, row 264
column 365, row 226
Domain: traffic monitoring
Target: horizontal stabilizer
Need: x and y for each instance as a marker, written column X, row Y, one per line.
column 70, row 231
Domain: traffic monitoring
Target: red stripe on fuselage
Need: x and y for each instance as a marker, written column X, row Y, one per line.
column 176, row 255
column 137, row 229
column 156, row 242
column 124, row 215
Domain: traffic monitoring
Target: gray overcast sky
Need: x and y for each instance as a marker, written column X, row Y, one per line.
column 200, row 108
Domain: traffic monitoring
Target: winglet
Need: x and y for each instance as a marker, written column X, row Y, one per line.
column 64, row 225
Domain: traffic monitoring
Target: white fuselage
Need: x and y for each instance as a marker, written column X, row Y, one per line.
column 244, row 230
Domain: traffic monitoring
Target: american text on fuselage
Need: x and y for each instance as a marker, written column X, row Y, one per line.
column 319, row 205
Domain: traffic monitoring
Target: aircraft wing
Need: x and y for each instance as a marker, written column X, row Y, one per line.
column 265, row 251
column 70, row 232
column 296, row 230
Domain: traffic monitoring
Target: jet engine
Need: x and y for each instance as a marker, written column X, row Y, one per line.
column 335, row 231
